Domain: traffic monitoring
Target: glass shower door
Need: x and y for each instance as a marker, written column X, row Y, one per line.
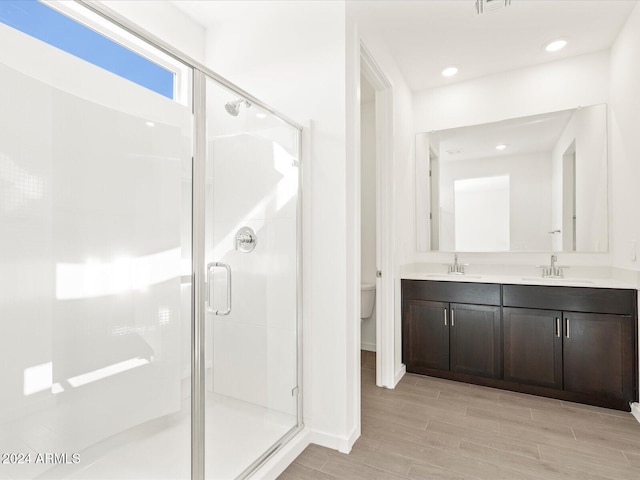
column 251, row 346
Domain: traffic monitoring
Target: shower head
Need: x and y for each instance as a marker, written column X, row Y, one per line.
column 233, row 108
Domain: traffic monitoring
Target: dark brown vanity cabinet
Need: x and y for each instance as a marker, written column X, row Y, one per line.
column 533, row 346
column 575, row 339
column 583, row 353
column 426, row 343
column 439, row 335
column 604, row 344
column 474, row 340
column 573, row 343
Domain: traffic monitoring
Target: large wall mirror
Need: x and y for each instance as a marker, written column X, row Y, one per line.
column 527, row 184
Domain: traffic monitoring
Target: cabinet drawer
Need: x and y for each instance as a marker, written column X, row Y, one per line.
column 575, row 299
column 458, row 292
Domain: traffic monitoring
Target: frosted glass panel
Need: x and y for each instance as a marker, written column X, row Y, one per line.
column 94, row 240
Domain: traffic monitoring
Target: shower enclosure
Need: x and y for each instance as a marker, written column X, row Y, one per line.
column 149, row 259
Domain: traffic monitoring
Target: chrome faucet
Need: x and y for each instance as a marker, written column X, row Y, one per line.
column 456, row 268
column 552, row 270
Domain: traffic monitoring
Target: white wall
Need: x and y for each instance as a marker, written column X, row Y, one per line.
column 624, row 147
column 165, row 21
column 549, row 87
column 625, row 142
column 368, row 214
column 400, row 177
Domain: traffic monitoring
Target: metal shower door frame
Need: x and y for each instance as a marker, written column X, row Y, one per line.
column 199, row 274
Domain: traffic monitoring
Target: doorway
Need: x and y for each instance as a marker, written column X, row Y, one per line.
column 380, row 126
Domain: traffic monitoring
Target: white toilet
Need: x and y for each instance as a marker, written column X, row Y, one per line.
column 367, row 299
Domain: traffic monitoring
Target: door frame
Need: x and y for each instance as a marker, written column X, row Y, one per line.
column 385, row 331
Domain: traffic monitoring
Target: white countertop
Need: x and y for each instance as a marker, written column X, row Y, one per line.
column 521, row 280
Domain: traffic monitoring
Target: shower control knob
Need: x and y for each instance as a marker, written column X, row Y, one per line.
column 246, row 240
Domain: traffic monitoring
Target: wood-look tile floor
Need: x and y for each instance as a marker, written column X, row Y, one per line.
column 429, row 428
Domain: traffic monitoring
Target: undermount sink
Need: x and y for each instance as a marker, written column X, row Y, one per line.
column 557, row 280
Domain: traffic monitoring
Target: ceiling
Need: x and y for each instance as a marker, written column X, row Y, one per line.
column 522, row 136
column 425, row 36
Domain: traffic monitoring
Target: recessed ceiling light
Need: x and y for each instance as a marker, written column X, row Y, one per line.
column 555, row 45
column 449, row 71
column 502, row 146
column 150, row 124
column 261, row 115
column 455, row 151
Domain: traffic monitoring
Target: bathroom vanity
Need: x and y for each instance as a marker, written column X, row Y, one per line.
column 573, row 343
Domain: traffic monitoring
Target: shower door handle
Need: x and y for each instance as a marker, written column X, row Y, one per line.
column 210, row 268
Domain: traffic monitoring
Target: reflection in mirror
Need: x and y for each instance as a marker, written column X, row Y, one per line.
column 535, row 183
column 481, row 214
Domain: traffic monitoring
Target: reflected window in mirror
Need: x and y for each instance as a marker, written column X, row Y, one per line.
column 481, row 214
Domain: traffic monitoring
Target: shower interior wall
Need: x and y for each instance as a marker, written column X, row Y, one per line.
column 241, row 348
column 268, row 48
column 167, row 22
column 252, row 181
column 238, row 359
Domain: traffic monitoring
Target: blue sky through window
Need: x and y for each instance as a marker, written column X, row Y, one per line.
column 43, row 23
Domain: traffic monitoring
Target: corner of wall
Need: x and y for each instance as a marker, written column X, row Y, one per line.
column 624, row 142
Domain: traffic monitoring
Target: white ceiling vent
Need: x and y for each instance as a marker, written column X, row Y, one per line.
column 490, row 6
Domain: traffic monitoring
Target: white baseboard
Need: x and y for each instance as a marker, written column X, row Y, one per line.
column 635, row 411
column 399, row 374
column 369, row 347
column 281, row 460
column 355, row 434
column 342, row 444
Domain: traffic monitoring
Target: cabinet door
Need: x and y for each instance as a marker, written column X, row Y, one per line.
column 475, row 340
column 533, row 346
column 425, row 335
column 599, row 355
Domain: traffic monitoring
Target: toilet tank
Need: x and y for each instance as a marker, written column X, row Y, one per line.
column 367, row 299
